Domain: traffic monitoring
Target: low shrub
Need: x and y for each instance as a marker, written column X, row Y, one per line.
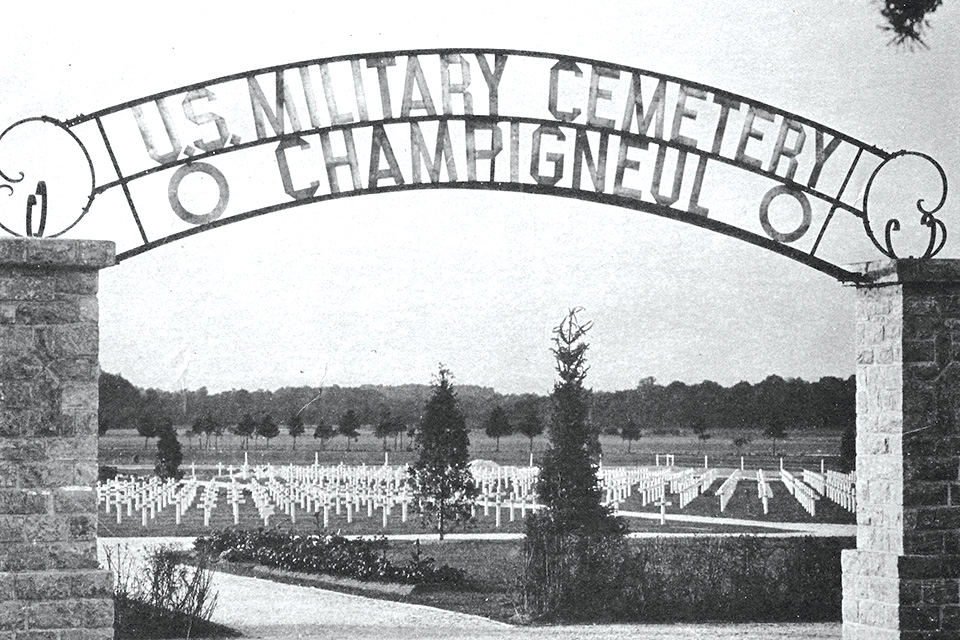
column 731, row 579
column 162, row 598
column 737, row 579
column 361, row 559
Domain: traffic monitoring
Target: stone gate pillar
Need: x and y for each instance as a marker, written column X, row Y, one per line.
column 50, row 586
column 903, row 579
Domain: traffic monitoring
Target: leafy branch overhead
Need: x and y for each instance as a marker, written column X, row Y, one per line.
column 907, row 19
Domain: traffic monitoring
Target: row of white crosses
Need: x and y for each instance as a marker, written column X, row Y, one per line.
column 130, row 494
column 693, row 484
column 728, row 488
column 804, row 493
column 835, row 486
column 764, row 492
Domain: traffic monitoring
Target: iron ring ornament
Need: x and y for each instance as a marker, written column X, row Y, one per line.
column 71, row 159
column 937, row 229
column 482, row 119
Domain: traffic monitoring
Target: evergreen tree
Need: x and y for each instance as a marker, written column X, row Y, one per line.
column 169, row 453
column 497, row 425
column 441, row 478
column 295, row 427
column 568, row 481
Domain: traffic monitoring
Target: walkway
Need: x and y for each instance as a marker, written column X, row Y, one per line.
column 274, row 611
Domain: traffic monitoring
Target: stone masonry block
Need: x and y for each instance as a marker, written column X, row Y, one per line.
column 87, row 634
column 48, row 312
column 46, row 585
column 23, row 287
column 79, row 614
column 24, row 502
column 938, row 518
column 75, row 500
column 97, row 254
column 29, row 556
column 13, row 616
column 76, row 282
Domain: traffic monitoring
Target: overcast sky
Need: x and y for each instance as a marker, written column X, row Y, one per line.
column 380, row 288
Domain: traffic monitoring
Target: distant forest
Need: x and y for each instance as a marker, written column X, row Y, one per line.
column 776, row 406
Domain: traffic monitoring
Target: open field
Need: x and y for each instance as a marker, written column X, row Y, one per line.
column 125, row 447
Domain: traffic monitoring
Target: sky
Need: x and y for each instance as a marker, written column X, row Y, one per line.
column 380, row 289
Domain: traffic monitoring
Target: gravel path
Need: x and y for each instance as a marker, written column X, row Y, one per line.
column 275, row 611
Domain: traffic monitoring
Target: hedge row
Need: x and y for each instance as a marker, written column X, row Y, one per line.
column 361, row 559
column 744, row 578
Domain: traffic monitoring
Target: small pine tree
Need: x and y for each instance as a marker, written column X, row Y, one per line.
column 568, row 481
column 169, row 453
column 441, row 478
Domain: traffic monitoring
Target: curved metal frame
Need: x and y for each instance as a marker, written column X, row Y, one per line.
column 928, row 219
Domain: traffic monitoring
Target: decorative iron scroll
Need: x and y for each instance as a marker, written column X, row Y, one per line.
column 193, row 158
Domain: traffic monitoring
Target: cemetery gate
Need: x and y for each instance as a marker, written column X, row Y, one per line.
column 518, row 121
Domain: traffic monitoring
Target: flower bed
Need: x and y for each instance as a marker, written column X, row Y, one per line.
column 334, row 555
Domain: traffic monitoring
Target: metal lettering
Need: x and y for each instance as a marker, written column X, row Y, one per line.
column 694, row 206
column 419, row 153
column 147, row 135
column 448, row 88
column 681, row 112
column 381, row 65
column 658, row 176
column 749, row 133
column 415, row 75
column 381, row 145
column 634, row 106
column 598, row 169
column 474, row 154
column 562, row 65
column 173, row 193
column 781, row 150
column 596, row 93
column 358, row 89
column 284, row 166
column 551, row 156
column 204, row 118
column 335, row 116
column 275, row 117
column 821, row 157
column 493, row 78
column 726, row 103
column 623, row 163
column 332, row 162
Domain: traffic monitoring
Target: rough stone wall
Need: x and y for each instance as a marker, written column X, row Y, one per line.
column 903, row 580
column 50, row 584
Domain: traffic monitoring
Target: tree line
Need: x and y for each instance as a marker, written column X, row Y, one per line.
column 777, row 406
